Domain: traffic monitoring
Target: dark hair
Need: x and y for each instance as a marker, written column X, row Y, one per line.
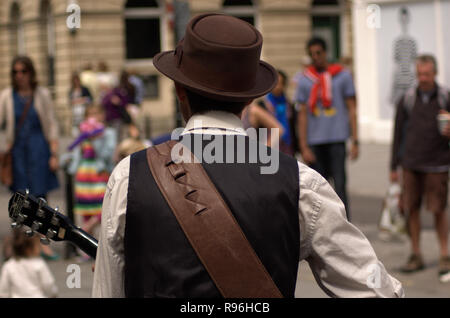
column 21, row 243
column 125, row 83
column 201, row 104
column 102, row 66
column 28, row 64
column 316, row 41
column 283, row 76
column 74, row 76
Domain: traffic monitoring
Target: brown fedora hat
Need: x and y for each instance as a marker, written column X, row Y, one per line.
column 219, row 57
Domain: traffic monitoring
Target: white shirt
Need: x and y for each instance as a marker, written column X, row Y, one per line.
column 27, row 278
column 339, row 255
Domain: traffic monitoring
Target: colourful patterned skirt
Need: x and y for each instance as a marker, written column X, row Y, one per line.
column 90, row 184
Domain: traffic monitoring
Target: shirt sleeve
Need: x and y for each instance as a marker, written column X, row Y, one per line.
column 110, row 261
column 341, row 258
column 301, row 94
column 5, row 289
column 349, row 86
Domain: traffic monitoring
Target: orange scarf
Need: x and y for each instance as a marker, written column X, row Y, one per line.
column 322, row 83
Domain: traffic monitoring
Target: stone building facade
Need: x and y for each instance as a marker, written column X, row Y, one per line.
column 125, row 34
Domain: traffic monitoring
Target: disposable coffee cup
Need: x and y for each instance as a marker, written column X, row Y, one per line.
column 443, row 120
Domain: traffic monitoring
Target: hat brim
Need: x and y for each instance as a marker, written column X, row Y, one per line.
column 266, row 79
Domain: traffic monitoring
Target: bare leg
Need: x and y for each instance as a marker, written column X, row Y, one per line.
column 414, row 230
column 441, row 224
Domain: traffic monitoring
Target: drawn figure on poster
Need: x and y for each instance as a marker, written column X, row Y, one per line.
column 405, row 53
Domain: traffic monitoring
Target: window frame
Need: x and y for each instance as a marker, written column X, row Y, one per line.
column 143, row 13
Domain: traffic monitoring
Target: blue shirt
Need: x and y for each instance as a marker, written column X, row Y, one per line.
column 281, row 113
column 331, row 125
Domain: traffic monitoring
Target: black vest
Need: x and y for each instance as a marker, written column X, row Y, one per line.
column 160, row 262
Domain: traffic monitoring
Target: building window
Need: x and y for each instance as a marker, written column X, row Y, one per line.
column 325, row 3
column 326, row 23
column 243, row 9
column 151, row 85
column 142, row 28
column 17, row 42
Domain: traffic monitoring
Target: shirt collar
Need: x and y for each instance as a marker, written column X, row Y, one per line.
column 215, row 123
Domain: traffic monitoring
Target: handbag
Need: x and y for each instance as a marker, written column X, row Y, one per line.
column 210, row 227
column 6, row 172
column 392, row 223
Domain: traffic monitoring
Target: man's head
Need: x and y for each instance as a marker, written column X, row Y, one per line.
column 426, row 67
column 317, row 50
column 218, row 60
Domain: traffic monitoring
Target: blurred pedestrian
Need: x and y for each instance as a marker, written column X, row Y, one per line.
column 79, row 98
column 327, row 117
column 105, row 80
column 423, row 154
column 139, row 87
column 92, row 162
column 25, row 274
column 116, row 103
column 258, row 117
column 31, row 132
column 89, row 79
column 133, row 143
column 283, row 110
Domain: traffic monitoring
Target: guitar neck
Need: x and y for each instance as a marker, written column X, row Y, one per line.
column 83, row 240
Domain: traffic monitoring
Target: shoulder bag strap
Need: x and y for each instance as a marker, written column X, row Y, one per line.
column 210, row 226
column 24, row 114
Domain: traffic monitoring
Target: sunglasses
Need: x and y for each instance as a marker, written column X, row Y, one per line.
column 19, row 71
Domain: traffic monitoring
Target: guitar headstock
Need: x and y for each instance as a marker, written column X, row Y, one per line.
column 25, row 209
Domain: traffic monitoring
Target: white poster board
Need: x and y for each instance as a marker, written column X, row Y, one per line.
column 377, row 25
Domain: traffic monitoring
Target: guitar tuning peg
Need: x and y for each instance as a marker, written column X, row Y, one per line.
column 45, row 240
column 15, row 225
column 21, row 218
column 25, row 202
column 40, row 213
column 29, row 233
column 54, row 220
column 36, row 225
column 50, row 233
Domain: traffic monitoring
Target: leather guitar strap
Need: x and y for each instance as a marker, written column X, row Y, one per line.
column 209, row 225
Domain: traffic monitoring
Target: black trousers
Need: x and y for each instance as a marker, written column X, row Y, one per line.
column 330, row 163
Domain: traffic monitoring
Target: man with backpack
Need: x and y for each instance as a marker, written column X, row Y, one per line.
column 423, row 153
